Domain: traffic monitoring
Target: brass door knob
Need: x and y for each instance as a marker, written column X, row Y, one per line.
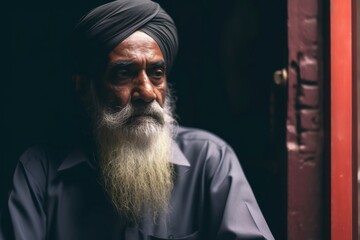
column 281, row 77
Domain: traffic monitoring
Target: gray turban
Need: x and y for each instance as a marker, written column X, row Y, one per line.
column 103, row 28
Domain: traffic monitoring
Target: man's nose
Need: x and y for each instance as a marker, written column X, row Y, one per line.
column 143, row 90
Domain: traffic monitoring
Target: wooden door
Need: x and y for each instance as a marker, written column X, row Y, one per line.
column 343, row 120
column 306, row 121
column 321, row 126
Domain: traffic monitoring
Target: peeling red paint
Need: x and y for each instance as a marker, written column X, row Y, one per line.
column 309, row 70
column 309, row 96
column 310, row 119
column 304, row 121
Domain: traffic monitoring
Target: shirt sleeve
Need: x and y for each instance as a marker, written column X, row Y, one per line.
column 233, row 210
column 24, row 217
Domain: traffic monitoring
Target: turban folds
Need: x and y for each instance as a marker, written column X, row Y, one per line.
column 103, row 28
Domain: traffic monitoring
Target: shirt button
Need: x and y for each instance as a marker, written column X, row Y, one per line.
column 171, row 237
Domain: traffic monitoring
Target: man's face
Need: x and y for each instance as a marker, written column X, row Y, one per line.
column 131, row 121
column 136, row 73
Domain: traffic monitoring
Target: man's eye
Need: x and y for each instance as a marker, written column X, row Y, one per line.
column 157, row 74
column 122, row 74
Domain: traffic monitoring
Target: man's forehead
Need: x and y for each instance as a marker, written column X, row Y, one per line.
column 138, row 36
column 137, row 47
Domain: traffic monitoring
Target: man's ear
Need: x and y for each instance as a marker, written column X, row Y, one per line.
column 81, row 85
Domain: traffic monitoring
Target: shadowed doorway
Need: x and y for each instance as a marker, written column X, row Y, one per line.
column 223, row 78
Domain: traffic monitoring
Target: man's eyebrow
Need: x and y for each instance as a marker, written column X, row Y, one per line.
column 128, row 64
column 157, row 64
column 120, row 64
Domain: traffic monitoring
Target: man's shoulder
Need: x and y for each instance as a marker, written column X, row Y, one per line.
column 195, row 135
column 206, row 150
column 40, row 159
column 33, row 167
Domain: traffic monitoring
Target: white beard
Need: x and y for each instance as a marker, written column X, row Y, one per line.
column 134, row 157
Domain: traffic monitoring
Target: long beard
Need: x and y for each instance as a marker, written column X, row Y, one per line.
column 134, row 151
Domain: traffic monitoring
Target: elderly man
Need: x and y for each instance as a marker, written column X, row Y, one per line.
column 137, row 175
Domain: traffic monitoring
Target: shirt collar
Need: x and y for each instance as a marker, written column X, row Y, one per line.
column 178, row 157
column 79, row 155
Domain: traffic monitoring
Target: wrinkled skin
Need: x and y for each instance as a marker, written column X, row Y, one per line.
column 135, row 72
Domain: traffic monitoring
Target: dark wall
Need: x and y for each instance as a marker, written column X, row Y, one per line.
column 222, row 77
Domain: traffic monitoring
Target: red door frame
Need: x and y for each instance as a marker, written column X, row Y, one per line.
column 343, row 120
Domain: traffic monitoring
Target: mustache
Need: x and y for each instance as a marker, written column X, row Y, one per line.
column 147, row 110
column 124, row 116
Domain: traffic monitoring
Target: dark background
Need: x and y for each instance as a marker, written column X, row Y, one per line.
column 223, row 78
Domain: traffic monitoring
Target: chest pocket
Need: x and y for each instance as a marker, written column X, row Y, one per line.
column 193, row 236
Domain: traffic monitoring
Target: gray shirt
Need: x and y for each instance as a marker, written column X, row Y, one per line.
column 57, row 196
